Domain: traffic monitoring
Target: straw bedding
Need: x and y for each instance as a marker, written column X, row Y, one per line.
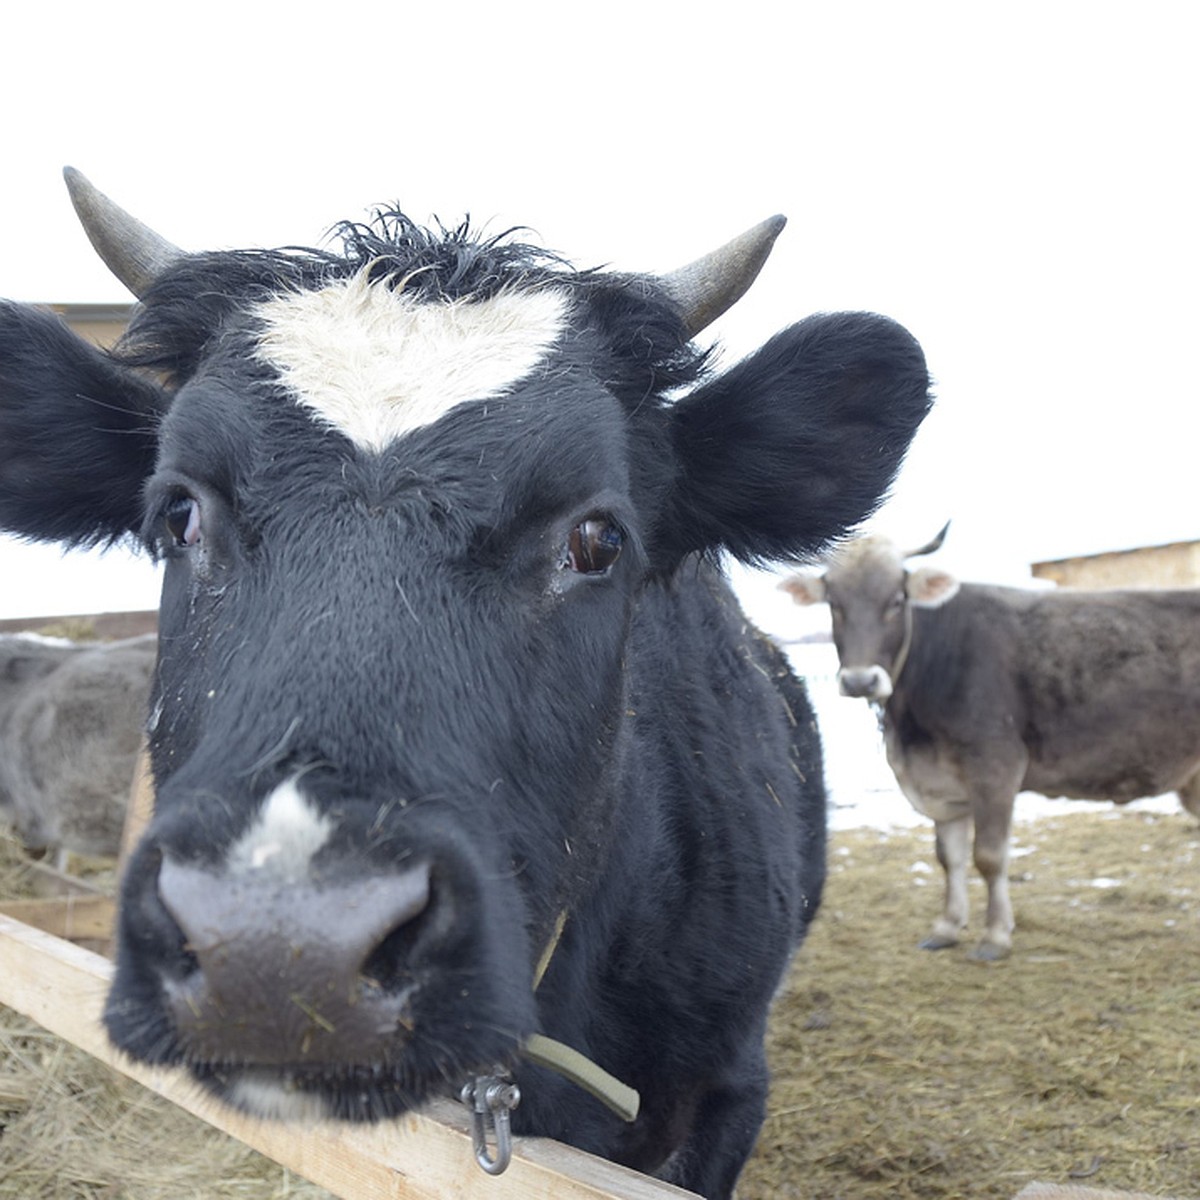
column 897, row 1073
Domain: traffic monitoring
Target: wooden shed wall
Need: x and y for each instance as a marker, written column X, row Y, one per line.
column 1173, row 565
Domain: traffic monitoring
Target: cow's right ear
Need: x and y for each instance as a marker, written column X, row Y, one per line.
column 805, row 587
column 930, row 587
column 20, row 668
column 796, row 444
column 78, row 433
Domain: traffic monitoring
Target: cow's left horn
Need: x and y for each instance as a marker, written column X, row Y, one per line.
column 713, row 284
column 133, row 252
column 930, row 547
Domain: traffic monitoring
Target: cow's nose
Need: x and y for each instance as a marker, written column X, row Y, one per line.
column 285, row 972
column 867, row 683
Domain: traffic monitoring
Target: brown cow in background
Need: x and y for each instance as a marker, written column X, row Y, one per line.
column 988, row 691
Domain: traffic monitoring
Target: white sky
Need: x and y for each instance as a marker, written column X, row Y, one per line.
column 1017, row 183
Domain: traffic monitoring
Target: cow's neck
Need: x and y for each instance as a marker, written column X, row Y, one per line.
column 905, row 645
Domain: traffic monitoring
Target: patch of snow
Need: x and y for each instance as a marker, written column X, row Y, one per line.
column 38, row 639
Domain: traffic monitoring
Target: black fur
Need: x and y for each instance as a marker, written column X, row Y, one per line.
column 78, row 435
column 786, row 450
column 401, row 632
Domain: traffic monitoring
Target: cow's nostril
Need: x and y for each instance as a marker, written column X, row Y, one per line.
column 149, row 921
column 387, row 965
column 390, row 964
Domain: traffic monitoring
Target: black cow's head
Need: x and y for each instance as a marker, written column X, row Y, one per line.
column 410, row 498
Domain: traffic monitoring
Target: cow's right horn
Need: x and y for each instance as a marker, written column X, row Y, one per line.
column 930, row 547
column 133, row 252
column 713, row 284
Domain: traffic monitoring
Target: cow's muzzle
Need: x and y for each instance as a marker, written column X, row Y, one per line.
column 292, row 975
column 866, row 683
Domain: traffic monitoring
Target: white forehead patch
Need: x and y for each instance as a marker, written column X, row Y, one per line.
column 377, row 362
column 283, row 839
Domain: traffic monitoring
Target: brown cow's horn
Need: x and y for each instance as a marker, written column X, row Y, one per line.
column 930, row 547
column 713, row 284
column 133, row 252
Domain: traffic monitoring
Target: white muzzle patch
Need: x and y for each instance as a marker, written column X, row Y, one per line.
column 282, row 841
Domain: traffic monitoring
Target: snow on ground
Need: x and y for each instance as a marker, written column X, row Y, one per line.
column 862, row 788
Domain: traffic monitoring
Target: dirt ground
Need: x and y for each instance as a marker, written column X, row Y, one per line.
column 897, row 1073
column 904, row 1073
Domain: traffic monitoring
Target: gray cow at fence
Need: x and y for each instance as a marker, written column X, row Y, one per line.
column 71, row 723
column 986, row 691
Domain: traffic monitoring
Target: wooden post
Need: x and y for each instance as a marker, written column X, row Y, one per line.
column 421, row 1156
column 141, row 807
column 77, row 918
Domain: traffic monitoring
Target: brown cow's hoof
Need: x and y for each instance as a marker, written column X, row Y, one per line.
column 989, row 952
column 937, row 941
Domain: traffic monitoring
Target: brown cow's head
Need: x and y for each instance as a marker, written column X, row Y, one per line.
column 870, row 593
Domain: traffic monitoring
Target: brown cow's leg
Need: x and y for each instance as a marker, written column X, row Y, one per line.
column 993, row 823
column 1189, row 795
column 953, row 851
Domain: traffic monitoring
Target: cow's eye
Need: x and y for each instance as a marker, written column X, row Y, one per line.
column 182, row 519
column 594, row 545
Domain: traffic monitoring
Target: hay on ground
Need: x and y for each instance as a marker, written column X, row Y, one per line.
column 897, row 1073
column 902, row 1073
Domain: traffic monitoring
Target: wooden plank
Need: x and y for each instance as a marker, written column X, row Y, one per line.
column 140, row 809
column 1076, row 1191
column 422, row 1156
column 49, row 881
column 70, row 917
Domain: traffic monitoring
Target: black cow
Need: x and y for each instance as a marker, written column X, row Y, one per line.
column 989, row 691
column 71, row 720
column 446, row 665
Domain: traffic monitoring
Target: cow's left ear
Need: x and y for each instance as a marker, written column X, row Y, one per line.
column 930, row 587
column 797, row 443
column 78, row 433
column 805, row 587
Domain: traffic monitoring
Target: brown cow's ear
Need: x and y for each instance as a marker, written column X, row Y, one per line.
column 805, row 587
column 929, row 587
